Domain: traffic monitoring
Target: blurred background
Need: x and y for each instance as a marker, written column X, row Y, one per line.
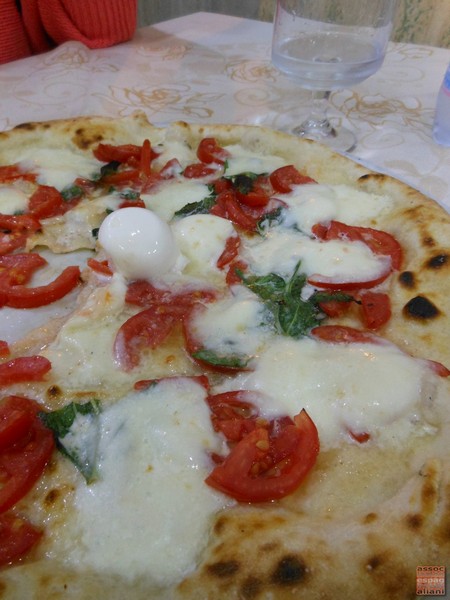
column 416, row 21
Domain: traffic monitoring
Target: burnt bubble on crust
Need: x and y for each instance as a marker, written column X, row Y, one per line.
column 420, row 308
column 438, row 261
column 86, row 138
column 223, row 569
column 290, row 569
column 407, row 279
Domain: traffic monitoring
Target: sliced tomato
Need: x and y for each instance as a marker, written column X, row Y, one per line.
column 230, row 251
column 4, row 348
column 171, row 169
column 133, row 204
column 198, row 170
column 23, row 461
column 14, row 231
column 9, row 173
column 330, row 283
column 17, row 269
column 146, row 158
column 233, row 211
column 17, row 537
column 48, row 202
column 122, row 153
column 24, row 368
column 99, row 266
column 268, row 465
column 32, row 297
column 122, row 177
column 151, row 327
column 334, row 308
column 232, row 277
column 209, row 151
column 285, row 178
column 380, row 242
column 142, row 293
column 233, row 414
column 376, row 309
column 340, row 334
column 147, row 329
column 15, row 422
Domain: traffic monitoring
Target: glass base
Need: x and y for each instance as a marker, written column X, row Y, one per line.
column 341, row 140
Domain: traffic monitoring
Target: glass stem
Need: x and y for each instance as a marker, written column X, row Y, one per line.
column 317, row 123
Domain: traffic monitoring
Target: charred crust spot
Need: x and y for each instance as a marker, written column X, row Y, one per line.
column 290, row 569
column 438, row 261
column 52, row 497
column 407, row 279
column 414, row 522
column 84, row 139
column 220, row 525
column 374, row 562
column 224, row 569
column 251, row 588
column 54, row 392
column 370, row 518
column 270, row 547
column 429, row 492
column 420, row 308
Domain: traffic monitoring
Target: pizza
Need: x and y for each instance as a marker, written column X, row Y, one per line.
column 224, row 367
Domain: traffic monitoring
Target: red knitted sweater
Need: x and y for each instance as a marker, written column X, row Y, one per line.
column 33, row 26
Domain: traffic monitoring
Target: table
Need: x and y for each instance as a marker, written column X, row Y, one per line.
column 215, row 68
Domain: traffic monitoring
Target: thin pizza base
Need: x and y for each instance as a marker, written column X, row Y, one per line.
column 365, row 517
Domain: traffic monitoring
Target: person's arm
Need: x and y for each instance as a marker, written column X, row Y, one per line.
column 96, row 23
column 13, row 39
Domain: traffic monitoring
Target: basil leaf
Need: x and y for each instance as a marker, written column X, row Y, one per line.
column 318, row 297
column 196, row 208
column 129, row 195
column 232, row 361
column 293, row 316
column 243, row 182
column 107, row 169
column 296, row 318
column 71, row 192
column 270, row 219
column 77, row 430
column 267, row 287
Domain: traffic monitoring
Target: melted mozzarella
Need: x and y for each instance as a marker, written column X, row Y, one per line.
column 58, row 167
column 311, row 204
column 149, row 513
column 140, row 244
column 243, row 160
column 344, row 387
column 173, row 196
column 174, row 148
column 81, row 355
column 12, row 200
column 233, row 326
column 201, row 239
column 280, row 251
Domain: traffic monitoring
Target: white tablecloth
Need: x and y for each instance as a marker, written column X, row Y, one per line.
column 215, row 68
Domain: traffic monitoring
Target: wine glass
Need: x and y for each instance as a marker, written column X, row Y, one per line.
column 326, row 45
